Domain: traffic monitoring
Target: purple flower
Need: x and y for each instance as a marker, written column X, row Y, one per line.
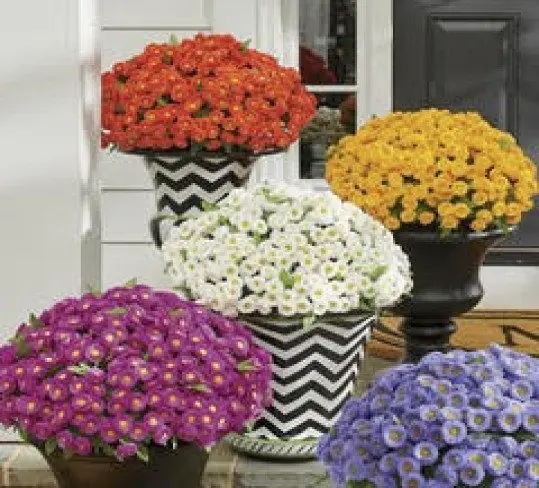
column 525, row 483
column 472, row 474
column 502, row 482
column 388, row 463
column 162, row 434
column 530, row 419
column 394, row 435
column 108, row 433
column 82, row 446
column 455, row 459
column 429, row 413
column 412, row 480
column 407, row 465
column 508, row 420
column 496, row 464
column 65, row 439
column 426, row 453
column 123, row 424
column 446, row 474
column 515, row 469
column 508, row 446
column 478, row 419
column 529, row 449
column 139, row 432
column 415, row 430
column 126, row 449
column 454, row 431
column 531, row 469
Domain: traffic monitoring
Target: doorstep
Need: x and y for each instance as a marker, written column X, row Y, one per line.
column 22, row 466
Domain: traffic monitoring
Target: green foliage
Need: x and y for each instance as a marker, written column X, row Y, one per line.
column 34, row 322
column 378, row 271
column 117, row 311
column 287, row 279
column 50, row 446
column 142, row 453
column 131, row 283
column 173, row 39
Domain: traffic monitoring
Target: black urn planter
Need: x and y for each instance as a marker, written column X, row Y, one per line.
column 166, row 468
column 446, row 284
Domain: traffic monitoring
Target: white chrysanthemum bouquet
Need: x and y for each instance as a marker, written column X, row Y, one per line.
column 286, row 251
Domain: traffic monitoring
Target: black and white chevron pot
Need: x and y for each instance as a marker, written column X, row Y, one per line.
column 183, row 182
column 314, row 372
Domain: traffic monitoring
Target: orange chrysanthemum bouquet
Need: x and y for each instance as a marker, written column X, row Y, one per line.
column 209, row 93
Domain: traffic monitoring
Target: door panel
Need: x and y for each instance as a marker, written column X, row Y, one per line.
column 478, row 55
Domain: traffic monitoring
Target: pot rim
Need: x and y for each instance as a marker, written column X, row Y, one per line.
column 279, row 320
column 428, row 235
column 205, row 154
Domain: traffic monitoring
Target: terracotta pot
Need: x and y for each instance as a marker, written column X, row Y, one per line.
column 166, row 468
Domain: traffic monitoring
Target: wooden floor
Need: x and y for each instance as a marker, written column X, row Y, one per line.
column 517, row 329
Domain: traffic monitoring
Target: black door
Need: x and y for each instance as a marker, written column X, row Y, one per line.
column 478, row 55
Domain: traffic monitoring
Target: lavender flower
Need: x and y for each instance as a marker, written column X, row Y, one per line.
column 457, row 419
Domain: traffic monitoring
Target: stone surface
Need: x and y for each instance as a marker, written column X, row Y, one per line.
column 21, row 466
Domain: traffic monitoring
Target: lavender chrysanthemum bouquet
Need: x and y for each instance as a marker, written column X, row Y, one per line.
column 453, row 420
column 113, row 373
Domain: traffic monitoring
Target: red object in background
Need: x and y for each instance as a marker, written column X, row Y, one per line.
column 313, row 68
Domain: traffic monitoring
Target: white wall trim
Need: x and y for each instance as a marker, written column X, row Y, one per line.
column 89, row 112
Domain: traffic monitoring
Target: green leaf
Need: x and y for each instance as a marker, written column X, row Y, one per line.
column 173, row 39
column 34, row 322
column 258, row 238
column 79, row 369
column 50, row 446
column 208, row 206
column 94, row 291
column 161, row 101
column 378, row 271
column 22, row 347
column 200, row 387
column 117, row 311
column 142, row 453
column 108, row 450
column 203, row 112
column 287, row 279
column 246, row 366
column 176, row 312
column 309, row 320
column 25, row 436
column 68, row 454
column 131, row 283
column 245, row 45
column 504, row 144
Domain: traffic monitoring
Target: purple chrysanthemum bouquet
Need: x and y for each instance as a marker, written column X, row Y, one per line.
column 113, row 373
column 453, row 420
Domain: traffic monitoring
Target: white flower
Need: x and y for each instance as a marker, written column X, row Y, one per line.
column 286, row 250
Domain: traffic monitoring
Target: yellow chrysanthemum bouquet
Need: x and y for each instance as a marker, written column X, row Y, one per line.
column 434, row 169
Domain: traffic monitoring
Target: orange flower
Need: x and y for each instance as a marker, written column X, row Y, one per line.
column 245, row 97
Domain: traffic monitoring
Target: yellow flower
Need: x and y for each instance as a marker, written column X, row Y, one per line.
column 478, row 225
column 479, row 197
column 392, row 223
column 449, row 222
column 462, row 210
column 426, row 218
column 424, row 162
column 459, row 188
column 445, row 209
column 407, row 216
column 485, row 215
column 498, row 209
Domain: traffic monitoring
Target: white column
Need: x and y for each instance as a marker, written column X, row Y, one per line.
column 40, row 187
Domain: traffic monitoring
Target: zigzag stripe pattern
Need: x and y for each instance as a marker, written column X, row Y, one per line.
column 184, row 183
column 314, row 372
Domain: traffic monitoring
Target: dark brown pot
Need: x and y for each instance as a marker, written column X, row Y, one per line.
column 166, row 468
column 446, row 284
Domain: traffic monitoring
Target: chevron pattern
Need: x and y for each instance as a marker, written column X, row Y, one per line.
column 314, row 372
column 184, row 182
